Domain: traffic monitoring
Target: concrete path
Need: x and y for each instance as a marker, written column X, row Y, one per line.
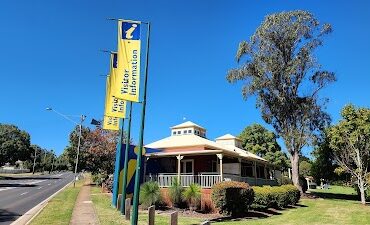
column 84, row 212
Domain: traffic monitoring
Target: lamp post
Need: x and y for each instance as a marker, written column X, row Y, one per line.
column 34, row 161
column 82, row 118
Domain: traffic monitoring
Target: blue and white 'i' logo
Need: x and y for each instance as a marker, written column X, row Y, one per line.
column 130, row 31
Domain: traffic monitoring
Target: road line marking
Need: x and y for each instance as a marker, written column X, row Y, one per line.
column 49, row 184
column 24, row 193
column 39, row 188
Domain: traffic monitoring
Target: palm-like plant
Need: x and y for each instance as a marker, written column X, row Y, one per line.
column 192, row 195
column 150, row 193
column 175, row 192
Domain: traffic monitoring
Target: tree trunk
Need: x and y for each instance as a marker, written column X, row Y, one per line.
column 294, row 159
column 362, row 191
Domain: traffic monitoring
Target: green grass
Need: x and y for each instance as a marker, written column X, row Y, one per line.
column 336, row 190
column 59, row 209
column 315, row 212
column 310, row 212
column 109, row 216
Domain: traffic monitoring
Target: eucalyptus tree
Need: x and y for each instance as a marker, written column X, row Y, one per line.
column 279, row 68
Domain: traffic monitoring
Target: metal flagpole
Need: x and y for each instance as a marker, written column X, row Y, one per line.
column 135, row 213
column 117, row 165
column 125, row 164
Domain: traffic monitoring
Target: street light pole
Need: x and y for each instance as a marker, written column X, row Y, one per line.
column 82, row 118
column 78, row 148
column 34, row 161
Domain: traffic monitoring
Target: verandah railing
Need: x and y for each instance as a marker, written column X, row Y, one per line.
column 205, row 180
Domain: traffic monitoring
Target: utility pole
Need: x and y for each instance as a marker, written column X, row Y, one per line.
column 34, row 160
column 52, row 164
column 78, row 148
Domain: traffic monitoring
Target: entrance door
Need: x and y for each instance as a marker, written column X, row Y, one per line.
column 187, row 166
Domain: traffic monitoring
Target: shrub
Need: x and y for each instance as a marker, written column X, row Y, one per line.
column 98, row 178
column 150, row 194
column 192, row 195
column 263, row 197
column 232, row 198
column 293, row 194
column 175, row 193
column 284, row 180
column 276, row 197
column 108, row 183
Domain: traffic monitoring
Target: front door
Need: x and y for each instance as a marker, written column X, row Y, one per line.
column 187, row 166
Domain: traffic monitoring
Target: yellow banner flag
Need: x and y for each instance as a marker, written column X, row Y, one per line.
column 128, row 70
column 113, row 106
column 110, row 123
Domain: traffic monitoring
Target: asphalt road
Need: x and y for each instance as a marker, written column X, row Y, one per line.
column 20, row 194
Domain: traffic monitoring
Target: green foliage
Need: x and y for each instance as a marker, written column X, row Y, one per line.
column 98, row 178
column 14, row 144
column 285, row 180
column 276, row 196
column 305, row 168
column 282, row 72
column 257, row 139
column 192, row 195
column 323, row 164
column 175, row 192
column 350, row 141
column 150, row 194
column 232, row 197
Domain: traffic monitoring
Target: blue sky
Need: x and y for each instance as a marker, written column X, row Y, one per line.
column 50, row 56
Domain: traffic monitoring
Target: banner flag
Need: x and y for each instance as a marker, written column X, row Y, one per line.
column 127, row 74
column 110, row 123
column 114, row 107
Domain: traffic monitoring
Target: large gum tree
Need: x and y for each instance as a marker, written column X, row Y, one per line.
column 279, row 68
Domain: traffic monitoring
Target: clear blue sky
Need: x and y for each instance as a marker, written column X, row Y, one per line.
column 49, row 56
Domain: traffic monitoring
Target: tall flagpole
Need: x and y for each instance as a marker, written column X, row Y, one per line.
column 135, row 213
column 125, row 164
column 117, row 164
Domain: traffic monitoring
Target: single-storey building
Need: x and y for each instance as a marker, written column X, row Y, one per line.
column 190, row 157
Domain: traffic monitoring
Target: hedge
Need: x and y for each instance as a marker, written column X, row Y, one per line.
column 276, row 196
column 232, row 197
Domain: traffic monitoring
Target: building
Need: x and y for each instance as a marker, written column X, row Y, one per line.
column 191, row 158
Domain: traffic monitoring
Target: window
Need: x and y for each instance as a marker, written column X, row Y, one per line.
column 179, row 132
column 214, row 166
column 189, row 131
column 185, row 131
column 247, row 170
column 174, row 133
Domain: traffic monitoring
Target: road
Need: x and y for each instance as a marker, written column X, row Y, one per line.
column 19, row 194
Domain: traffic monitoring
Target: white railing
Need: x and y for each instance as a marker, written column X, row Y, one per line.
column 166, row 179
column 205, row 180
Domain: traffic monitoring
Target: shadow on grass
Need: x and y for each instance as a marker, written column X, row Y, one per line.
column 259, row 213
column 335, row 196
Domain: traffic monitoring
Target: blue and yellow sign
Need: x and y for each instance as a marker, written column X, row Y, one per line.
column 114, row 107
column 110, row 123
column 128, row 56
column 131, row 168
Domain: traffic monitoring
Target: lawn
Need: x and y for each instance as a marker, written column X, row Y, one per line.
column 109, row 216
column 310, row 211
column 59, row 209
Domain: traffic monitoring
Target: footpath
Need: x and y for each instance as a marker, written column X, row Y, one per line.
column 84, row 212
